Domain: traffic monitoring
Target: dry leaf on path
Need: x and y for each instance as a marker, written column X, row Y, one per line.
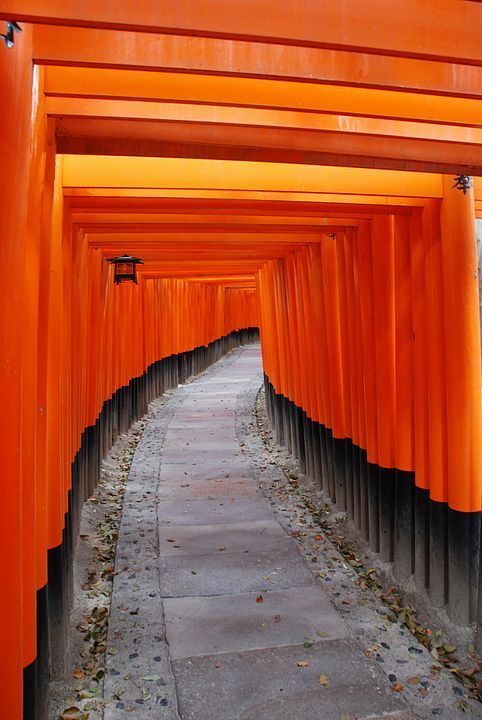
column 72, row 713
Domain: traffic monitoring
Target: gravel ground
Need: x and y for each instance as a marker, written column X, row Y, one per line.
column 78, row 693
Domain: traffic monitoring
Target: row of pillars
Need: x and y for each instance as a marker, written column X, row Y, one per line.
column 424, row 519
column 437, row 546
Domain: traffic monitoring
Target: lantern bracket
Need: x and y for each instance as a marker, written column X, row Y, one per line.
column 463, row 182
column 8, row 37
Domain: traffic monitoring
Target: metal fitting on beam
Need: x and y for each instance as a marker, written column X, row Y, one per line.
column 9, row 38
column 463, row 182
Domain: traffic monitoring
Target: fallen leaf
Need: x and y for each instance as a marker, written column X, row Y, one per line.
column 323, row 680
column 217, row 664
column 78, row 674
column 302, row 663
column 322, row 633
column 277, row 618
column 260, row 599
column 413, row 680
column 398, row 687
column 71, row 713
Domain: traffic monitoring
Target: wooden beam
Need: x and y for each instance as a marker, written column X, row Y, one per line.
column 214, row 114
column 444, row 30
column 217, row 141
column 74, row 47
column 93, row 171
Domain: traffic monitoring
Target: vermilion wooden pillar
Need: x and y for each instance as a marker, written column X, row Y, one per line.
column 15, row 135
column 462, row 388
column 462, row 346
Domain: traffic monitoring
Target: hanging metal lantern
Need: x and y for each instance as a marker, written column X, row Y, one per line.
column 125, row 268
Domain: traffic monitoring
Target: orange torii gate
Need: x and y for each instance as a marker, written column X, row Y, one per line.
column 226, row 156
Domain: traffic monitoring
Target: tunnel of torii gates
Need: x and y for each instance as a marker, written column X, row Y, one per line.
column 309, row 169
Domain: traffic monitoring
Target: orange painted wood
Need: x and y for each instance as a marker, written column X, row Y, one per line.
column 421, row 29
column 215, row 56
column 403, row 329
column 434, row 333
column 15, row 148
column 462, row 348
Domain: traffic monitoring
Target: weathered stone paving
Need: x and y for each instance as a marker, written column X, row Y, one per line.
column 217, row 614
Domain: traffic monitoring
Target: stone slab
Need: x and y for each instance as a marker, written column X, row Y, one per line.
column 222, row 454
column 210, row 425
column 211, row 443
column 268, row 685
column 204, row 470
column 213, row 393
column 213, row 512
column 189, row 414
column 239, row 622
column 223, row 573
column 201, row 435
column 440, row 711
column 220, row 488
column 228, row 538
column 215, row 400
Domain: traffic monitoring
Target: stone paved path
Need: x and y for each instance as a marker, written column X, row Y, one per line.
column 215, row 613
